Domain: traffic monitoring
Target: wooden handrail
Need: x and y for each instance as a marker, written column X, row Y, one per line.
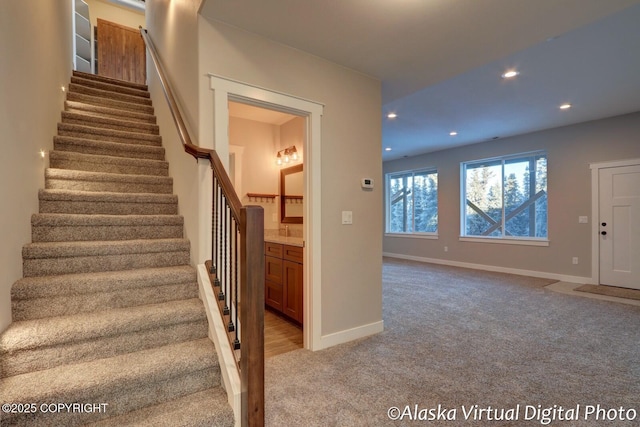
column 189, row 146
column 249, row 223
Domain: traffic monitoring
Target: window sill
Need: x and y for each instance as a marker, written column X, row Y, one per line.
column 431, row 236
column 525, row 242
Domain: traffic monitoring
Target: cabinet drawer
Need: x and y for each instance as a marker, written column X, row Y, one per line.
column 293, row 253
column 273, row 249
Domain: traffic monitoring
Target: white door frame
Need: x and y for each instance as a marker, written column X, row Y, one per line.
column 217, row 136
column 595, row 211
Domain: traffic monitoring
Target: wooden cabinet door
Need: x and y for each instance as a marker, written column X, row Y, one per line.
column 273, row 269
column 121, row 53
column 292, row 288
column 273, row 295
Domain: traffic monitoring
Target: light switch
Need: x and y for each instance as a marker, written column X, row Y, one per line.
column 583, row 219
column 347, row 217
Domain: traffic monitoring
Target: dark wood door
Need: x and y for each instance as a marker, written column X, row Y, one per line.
column 121, row 52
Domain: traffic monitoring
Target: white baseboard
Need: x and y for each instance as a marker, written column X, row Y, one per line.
column 218, row 334
column 530, row 273
column 347, row 335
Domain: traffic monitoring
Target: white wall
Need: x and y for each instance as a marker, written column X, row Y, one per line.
column 260, row 174
column 36, row 61
column 570, row 150
column 351, row 266
column 114, row 13
column 173, row 30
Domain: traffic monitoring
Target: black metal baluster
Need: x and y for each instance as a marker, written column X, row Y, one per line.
column 225, row 261
column 213, row 227
column 220, row 266
column 236, row 343
column 231, row 326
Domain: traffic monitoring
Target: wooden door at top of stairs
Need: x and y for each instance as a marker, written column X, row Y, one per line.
column 619, row 226
column 121, row 53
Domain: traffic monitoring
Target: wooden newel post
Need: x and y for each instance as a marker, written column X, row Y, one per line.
column 252, row 317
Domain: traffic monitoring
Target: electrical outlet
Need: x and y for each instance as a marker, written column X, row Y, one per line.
column 575, row 260
column 446, row 248
column 583, row 220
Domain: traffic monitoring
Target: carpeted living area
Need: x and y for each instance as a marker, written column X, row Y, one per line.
column 458, row 337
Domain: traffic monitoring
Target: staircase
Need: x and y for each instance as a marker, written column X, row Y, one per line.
column 107, row 314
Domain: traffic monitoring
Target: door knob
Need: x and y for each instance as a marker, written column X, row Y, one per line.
column 604, row 233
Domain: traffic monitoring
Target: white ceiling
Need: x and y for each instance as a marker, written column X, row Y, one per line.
column 258, row 114
column 440, row 61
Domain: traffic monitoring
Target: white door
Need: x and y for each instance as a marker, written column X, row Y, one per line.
column 619, row 226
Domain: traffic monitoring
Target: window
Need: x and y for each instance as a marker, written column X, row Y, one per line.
column 412, row 202
column 505, row 197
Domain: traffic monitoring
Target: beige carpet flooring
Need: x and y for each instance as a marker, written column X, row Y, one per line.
column 457, row 338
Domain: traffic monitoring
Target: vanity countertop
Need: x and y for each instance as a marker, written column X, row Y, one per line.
column 293, row 241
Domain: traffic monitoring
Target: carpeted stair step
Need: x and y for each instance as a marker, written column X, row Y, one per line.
column 51, row 258
column 108, row 94
column 108, row 164
column 109, row 86
column 99, row 78
column 95, row 110
column 88, row 132
column 94, row 120
column 125, row 383
column 34, row 345
column 203, row 409
column 105, row 148
column 63, row 179
column 82, row 227
column 109, row 103
column 67, row 294
column 86, row 202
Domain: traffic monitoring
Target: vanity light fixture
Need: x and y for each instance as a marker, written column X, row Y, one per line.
column 288, row 155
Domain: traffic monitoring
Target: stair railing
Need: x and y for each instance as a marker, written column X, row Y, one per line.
column 236, row 267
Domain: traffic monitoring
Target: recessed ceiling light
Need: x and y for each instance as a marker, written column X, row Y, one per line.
column 510, row 74
column 392, row 115
column 387, row 149
column 565, row 106
column 453, row 133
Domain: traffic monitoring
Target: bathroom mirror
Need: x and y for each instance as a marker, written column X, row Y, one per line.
column 291, row 191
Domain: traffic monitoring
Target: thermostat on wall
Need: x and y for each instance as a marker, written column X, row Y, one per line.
column 367, row 183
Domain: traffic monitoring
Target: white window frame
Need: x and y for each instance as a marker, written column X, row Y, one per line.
column 411, row 234
column 504, row 239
